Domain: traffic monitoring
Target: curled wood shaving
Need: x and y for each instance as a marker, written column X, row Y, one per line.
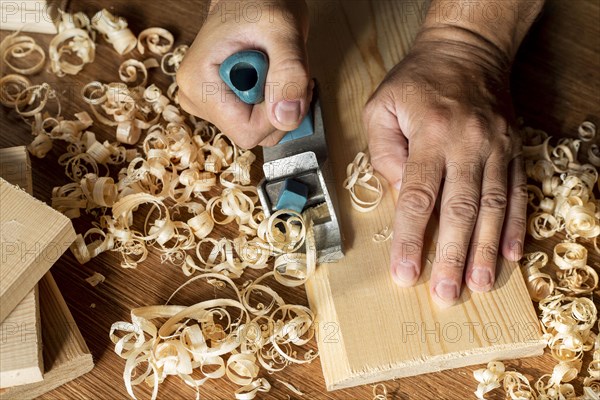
column 115, row 31
column 380, row 392
column 158, row 40
column 11, row 86
column 383, row 236
column 38, row 97
column 212, row 339
column 360, row 175
column 489, row 378
column 540, row 285
column 587, row 131
column 22, row 48
column 594, row 155
column 291, row 387
column 72, row 40
column 170, row 62
column 561, row 199
column 95, row 279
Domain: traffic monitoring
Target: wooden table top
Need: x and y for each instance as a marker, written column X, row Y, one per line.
column 556, row 86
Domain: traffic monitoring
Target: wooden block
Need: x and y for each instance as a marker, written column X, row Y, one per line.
column 33, row 236
column 371, row 330
column 15, row 167
column 66, row 356
column 30, row 15
column 21, row 359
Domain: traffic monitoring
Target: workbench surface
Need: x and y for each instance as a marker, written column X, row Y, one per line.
column 556, row 85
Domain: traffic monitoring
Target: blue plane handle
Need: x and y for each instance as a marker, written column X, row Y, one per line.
column 245, row 72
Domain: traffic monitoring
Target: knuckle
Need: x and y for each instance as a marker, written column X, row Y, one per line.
column 517, row 223
column 462, row 209
column 418, row 199
column 293, row 67
column 494, row 199
column 519, row 192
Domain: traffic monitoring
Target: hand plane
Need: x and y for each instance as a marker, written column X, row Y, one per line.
column 297, row 172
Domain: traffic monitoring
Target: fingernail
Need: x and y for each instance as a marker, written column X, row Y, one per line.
column 288, row 112
column 398, row 185
column 516, row 250
column 481, row 277
column 447, row 291
column 406, row 274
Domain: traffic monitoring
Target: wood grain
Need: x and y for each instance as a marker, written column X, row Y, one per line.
column 66, row 356
column 419, row 338
column 33, row 237
column 555, row 86
column 21, row 359
column 30, row 15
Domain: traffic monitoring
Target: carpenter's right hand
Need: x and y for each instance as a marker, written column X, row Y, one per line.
column 279, row 29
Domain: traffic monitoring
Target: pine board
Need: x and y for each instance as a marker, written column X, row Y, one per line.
column 21, row 359
column 370, row 329
column 29, row 15
column 33, row 236
column 66, row 355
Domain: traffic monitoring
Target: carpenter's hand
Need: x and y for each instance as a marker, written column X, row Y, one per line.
column 441, row 123
column 278, row 28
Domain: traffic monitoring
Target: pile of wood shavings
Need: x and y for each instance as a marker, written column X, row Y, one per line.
column 561, row 201
column 186, row 178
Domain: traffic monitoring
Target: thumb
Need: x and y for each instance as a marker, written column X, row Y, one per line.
column 388, row 146
column 288, row 83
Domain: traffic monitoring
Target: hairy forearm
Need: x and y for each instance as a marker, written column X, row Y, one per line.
column 496, row 27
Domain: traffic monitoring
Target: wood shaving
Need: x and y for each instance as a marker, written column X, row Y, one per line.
column 489, row 378
column 360, row 176
column 383, row 236
column 540, row 285
column 594, row 155
column 158, row 40
column 72, row 40
column 291, row 387
column 561, row 200
column 115, row 31
column 587, row 131
column 221, row 333
column 380, row 392
column 22, row 48
column 95, row 279
column 11, row 86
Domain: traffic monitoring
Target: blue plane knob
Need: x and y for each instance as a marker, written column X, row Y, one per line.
column 245, row 72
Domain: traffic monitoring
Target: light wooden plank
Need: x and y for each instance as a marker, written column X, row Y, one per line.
column 21, row 359
column 32, row 236
column 370, row 329
column 28, row 16
column 66, row 355
column 407, row 333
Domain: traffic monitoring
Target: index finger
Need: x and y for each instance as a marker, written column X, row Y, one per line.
column 421, row 181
